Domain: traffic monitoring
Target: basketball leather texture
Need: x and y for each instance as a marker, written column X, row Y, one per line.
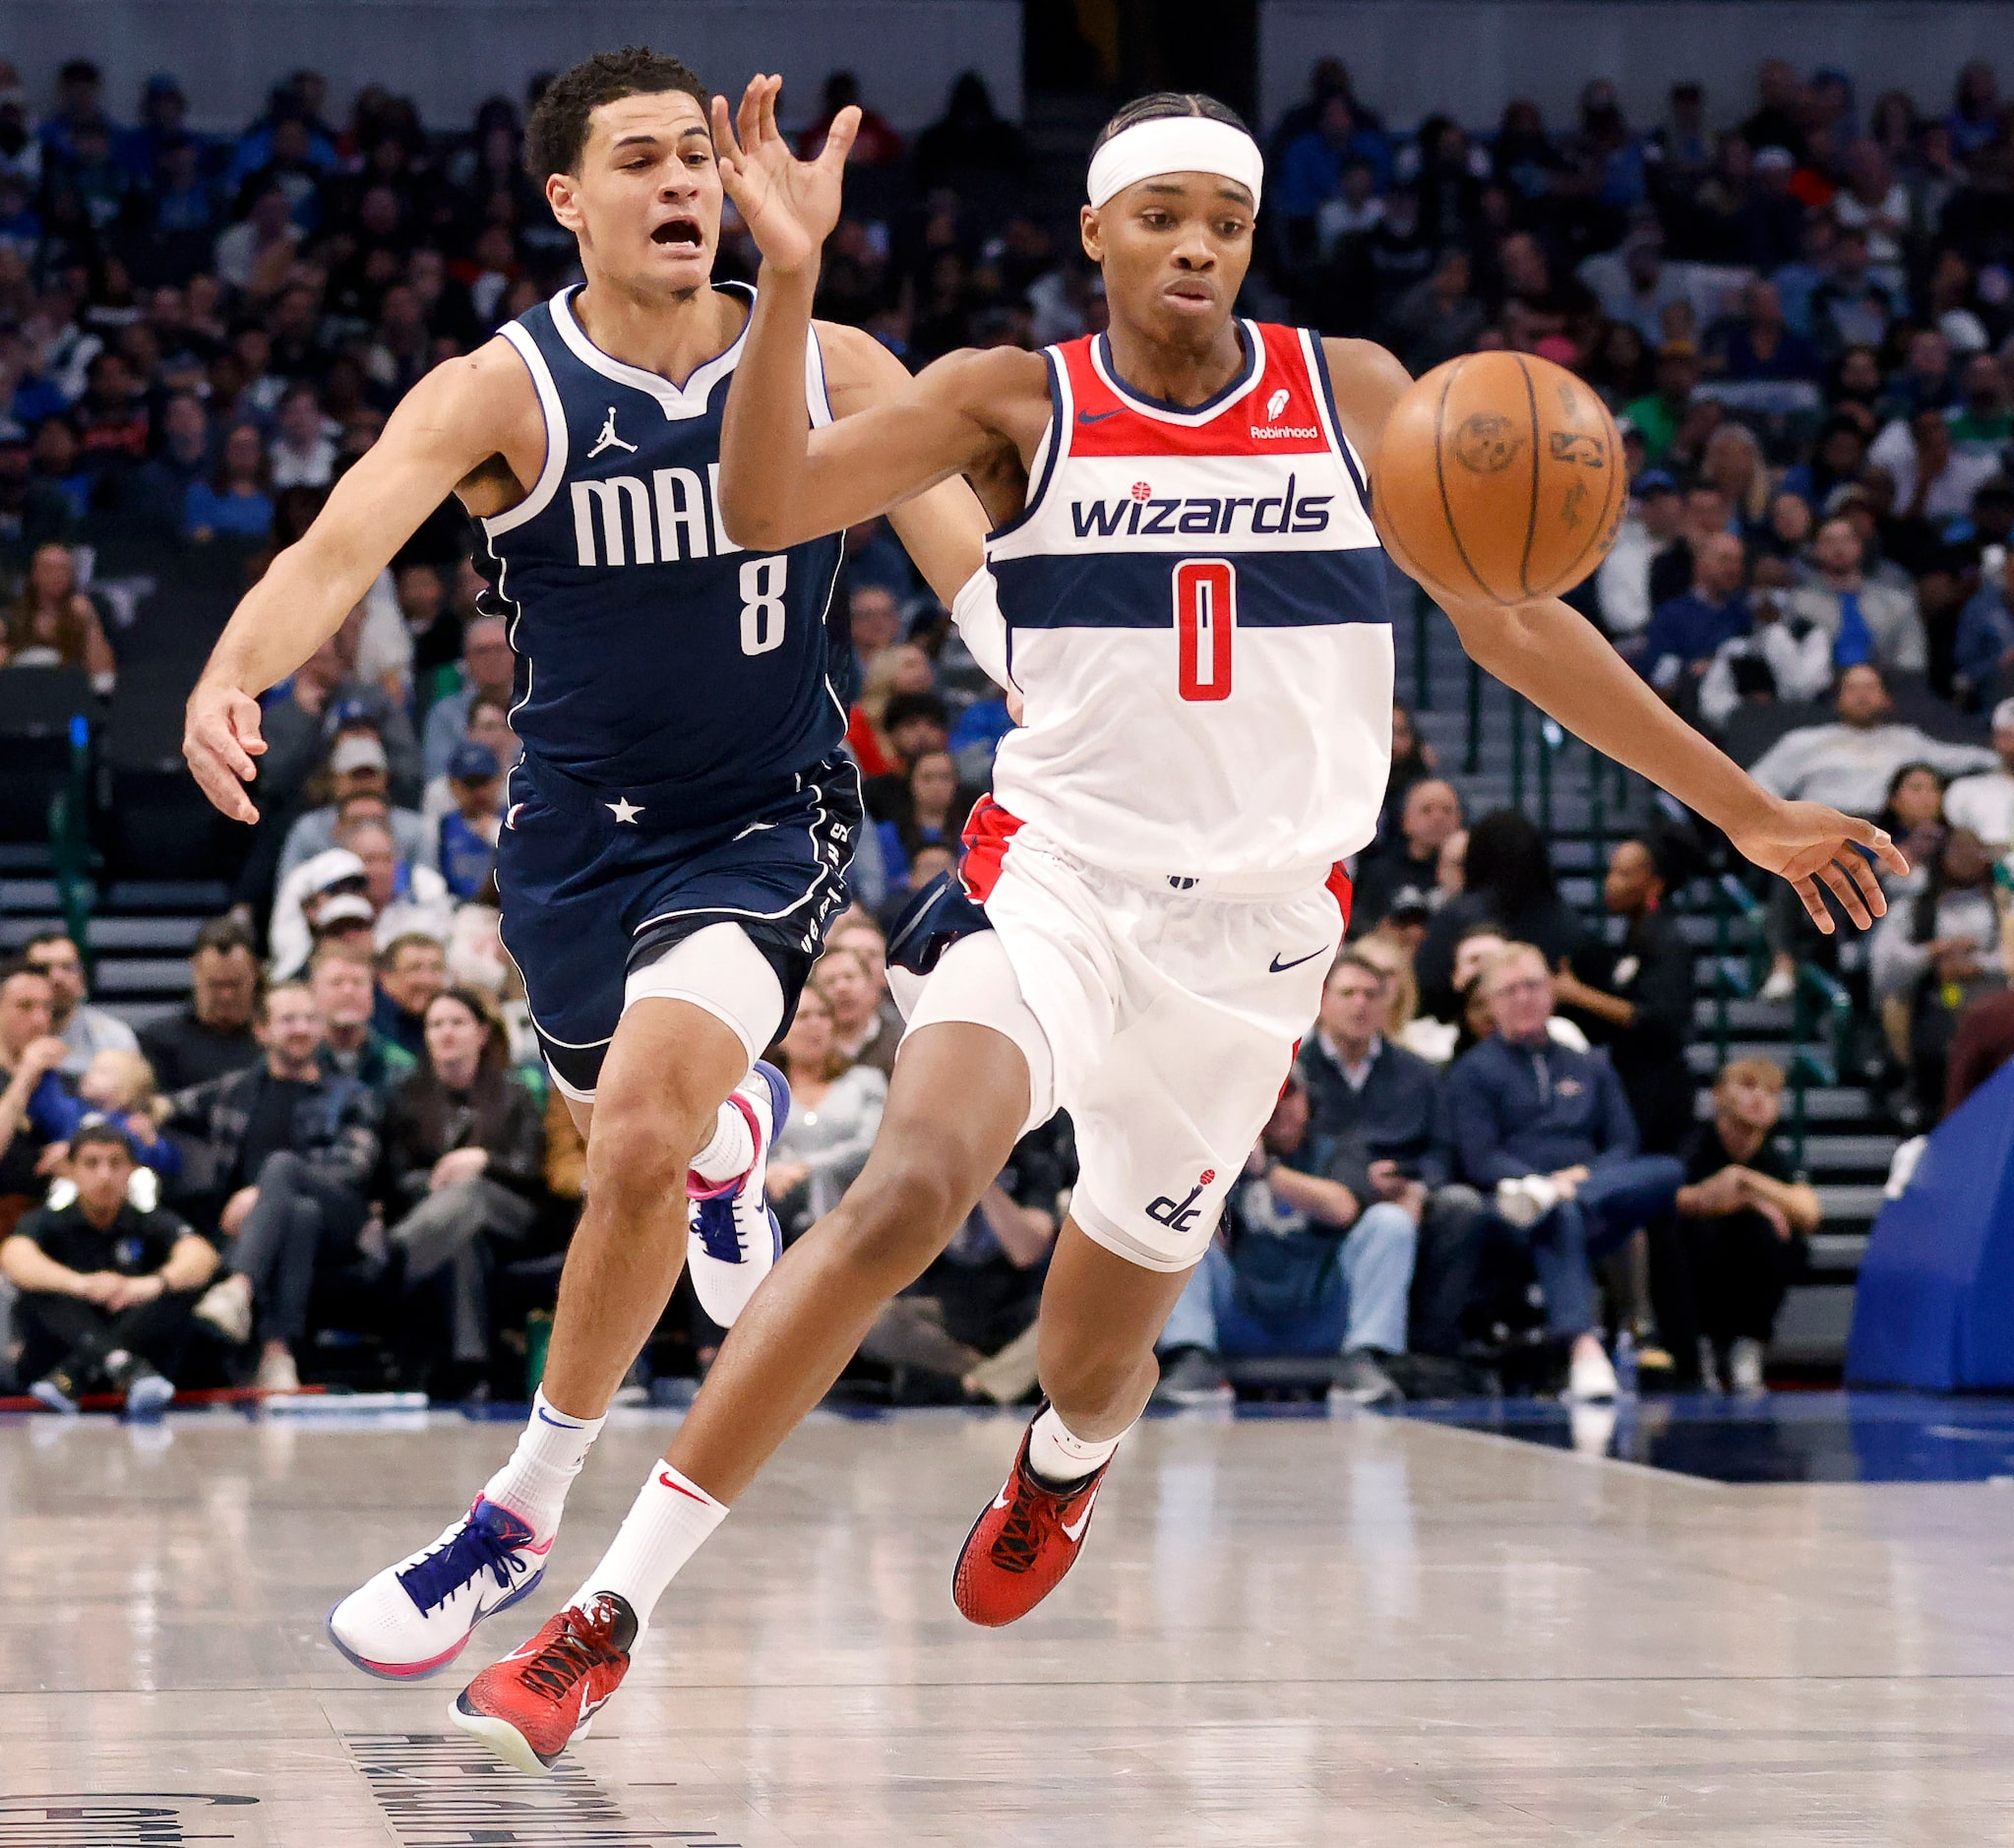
column 1499, row 478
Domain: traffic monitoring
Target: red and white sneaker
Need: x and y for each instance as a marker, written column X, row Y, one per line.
column 1022, row 1544
column 531, row 1705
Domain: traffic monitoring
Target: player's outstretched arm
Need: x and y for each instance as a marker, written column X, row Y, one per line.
column 453, row 422
column 780, row 481
column 1559, row 661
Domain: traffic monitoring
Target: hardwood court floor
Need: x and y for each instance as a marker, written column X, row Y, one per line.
column 1283, row 1631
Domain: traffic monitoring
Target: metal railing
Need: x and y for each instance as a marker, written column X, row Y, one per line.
column 71, row 858
column 1821, row 1011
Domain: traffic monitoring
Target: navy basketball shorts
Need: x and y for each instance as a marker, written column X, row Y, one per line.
column 592, row 893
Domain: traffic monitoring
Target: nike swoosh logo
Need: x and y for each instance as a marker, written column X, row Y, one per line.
column 754, row 828
column 1277, row 967
column 1099, row 416
column 664, row 1476
column 1076, row 1533
column 1001, row 1500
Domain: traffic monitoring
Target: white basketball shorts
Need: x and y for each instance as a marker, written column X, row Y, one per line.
column 1164, row 1019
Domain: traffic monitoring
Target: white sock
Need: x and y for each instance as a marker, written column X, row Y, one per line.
column 534, row 1484
column 665, row 1526
column 732, row 1151
column 1058, row 1456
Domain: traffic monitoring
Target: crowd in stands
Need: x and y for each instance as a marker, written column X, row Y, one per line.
column 1799, row 306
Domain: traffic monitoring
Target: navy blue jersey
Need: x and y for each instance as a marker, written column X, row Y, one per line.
column 657, row 661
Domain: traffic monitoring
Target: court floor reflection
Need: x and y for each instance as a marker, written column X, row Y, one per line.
column 1283, row 1631
column 1784, row 1437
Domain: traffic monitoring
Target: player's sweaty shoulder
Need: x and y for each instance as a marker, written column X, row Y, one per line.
column 1368, row 381
column 476, row 416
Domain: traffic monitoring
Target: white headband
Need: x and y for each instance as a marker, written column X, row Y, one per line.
column 1175, row 143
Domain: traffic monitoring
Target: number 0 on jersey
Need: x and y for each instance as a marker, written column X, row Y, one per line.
column 1206, row 613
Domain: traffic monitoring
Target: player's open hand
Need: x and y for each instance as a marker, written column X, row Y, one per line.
column 790, row 205
column 219, row 739
column 1811, row 845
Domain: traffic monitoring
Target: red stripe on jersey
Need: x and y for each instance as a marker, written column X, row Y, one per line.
column 989, row 829
column 1277, row 417
column 1338, row 882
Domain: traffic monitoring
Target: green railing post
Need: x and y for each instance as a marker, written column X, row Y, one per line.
column 1423, row 678
column 70, row 842
column 1597, row 812
column 1549, row 738
column 1472, row 761
column 1516, row 750
column 1800, row 1081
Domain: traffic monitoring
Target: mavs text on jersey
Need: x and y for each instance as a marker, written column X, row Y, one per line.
column 681, row 702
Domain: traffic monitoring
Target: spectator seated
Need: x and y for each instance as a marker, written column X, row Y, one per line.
column 280, row 1159
column 1737, row 1237
column 465, row 1149
column 1303, row 1271
column 1546, row 1135
column 107, row 1290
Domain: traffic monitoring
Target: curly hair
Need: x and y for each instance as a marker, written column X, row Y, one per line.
column 558, row 129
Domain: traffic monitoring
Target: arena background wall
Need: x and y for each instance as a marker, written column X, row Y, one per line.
column 1467, row 57
column 448, row 55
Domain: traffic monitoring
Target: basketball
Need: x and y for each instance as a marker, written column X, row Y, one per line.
column 1501, row 474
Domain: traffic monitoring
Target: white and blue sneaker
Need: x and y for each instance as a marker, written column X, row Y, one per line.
column 735, row 1238
column 416, row 1617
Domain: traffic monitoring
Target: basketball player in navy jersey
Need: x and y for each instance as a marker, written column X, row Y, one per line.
column 679, row 829
column 1192, row 587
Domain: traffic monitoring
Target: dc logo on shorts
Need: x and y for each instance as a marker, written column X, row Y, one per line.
column 1181, row 1215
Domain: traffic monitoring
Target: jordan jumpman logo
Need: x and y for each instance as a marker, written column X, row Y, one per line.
column 608, row 439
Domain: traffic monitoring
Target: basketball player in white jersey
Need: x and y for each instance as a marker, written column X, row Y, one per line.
column 1192, row 585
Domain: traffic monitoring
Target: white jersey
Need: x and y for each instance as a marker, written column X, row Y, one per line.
column 1195, row 605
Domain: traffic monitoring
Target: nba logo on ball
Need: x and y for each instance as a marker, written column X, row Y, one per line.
column 1499, row 479
column 1486, row 441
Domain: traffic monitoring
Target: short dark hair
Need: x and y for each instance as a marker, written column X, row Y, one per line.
column 558, row 129
column 102, row 1130
column 388, row 957
column 224, row 935
column 1356, row 960
column 19, row 965
column 1163, row 104
column 904, row 707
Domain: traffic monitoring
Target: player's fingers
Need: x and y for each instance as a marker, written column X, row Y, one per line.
column 1814, row 904
column 749, row 118
column 1878, row 842
column 840, row 137
column 1848, row 893
column 220, row 746
column 245, row 719
column 772, row 88
column 1862, row 871
column 726, row 149
column 226, row 792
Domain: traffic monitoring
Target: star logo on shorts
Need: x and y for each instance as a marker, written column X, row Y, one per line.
column 624, row 810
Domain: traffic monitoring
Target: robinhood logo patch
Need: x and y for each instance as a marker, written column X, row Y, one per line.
column 442, row 1790
column 151, row 1819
